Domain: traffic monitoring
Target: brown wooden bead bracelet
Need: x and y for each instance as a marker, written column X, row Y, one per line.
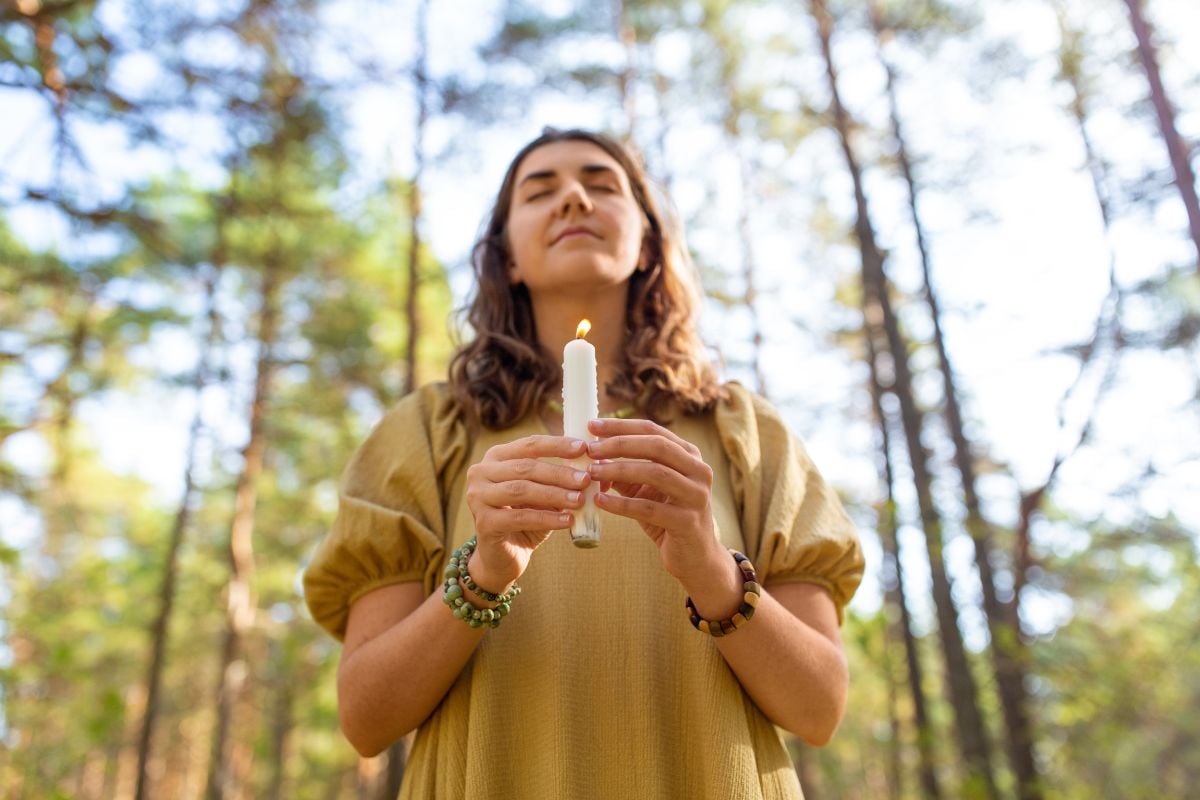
column 752, row 591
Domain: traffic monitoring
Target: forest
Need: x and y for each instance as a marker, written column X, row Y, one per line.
column 956, row 243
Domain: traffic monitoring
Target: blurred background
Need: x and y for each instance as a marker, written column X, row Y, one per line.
column 957, row 244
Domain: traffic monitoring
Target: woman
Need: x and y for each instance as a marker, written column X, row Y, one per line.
column 597, row 681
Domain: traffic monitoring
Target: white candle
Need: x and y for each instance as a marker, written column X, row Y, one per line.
column 581, row 404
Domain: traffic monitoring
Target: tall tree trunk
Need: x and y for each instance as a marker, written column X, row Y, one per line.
column 893, row 773
column 190, row 754
column 661, row 87
column 732, row 126
column 1108, row 321
column 60, row 509
column 160, row 628
column 281, row 722
column 393, row 769
column 889, row 526
column 972, row 733
column 89, row 776
column 1185, row 178
column 109, row 787
column 626, row 78
column 389, row 786
column 240, row 610
column 749, row 268
column 421, row 88
column 806, row 771
column 1008, row 651
column 1070, row 57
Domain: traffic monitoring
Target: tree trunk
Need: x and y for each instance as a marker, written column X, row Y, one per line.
column 160, row 628
column 240, row 611
column 750, row 297
column 1008, row 651
column 1108, row 323
column 89, row 776
column 60, row 510
column 186, row 760
column 627, row 36
column 661, row 87
column 393, row 770
column 281, row 724
column 732, row 126
column 421, row 87
column 894, row 590
column 1069, row 61
column 893, row 774
column 806, row 772
column 389, row 786
column 1185, row 178
column 112, row 769
column 972, row 734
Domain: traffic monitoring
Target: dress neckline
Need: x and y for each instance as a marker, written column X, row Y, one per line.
column 556, row 407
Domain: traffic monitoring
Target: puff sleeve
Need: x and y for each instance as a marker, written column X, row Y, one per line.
column 391, row 520
column 793, row 524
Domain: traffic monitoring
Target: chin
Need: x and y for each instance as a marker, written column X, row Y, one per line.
column 590, row 276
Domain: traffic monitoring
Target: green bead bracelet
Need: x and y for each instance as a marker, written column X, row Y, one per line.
column 457, row 578
column 751, row 593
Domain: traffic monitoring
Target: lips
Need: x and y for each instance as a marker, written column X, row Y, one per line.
column 573, row 232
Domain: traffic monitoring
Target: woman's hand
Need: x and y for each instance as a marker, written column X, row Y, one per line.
column 667, row 489
column 517, row 499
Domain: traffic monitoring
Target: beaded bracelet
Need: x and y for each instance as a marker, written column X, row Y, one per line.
column 745, row 610
column 457, row 577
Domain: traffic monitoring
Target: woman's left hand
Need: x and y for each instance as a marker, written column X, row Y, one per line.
column 666, row 488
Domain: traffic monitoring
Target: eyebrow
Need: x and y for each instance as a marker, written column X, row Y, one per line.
column 588, row 169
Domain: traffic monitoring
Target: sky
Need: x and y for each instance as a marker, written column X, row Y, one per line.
column 1026, row 278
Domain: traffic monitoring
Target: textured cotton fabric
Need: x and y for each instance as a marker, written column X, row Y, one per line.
column 596, row 685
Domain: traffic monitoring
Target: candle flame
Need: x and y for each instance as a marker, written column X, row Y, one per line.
column 582, row 330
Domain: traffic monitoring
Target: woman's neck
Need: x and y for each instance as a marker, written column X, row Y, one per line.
column 558, row 317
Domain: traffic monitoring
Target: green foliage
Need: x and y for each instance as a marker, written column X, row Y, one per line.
column 75, row 624
column 1118, row 682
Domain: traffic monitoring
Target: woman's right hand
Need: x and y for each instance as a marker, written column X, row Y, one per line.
column 517, row 499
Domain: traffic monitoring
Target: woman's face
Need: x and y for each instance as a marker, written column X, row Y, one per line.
column 573, row 223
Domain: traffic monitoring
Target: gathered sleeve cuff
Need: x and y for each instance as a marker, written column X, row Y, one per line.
column 793, row 523
column 391, row 520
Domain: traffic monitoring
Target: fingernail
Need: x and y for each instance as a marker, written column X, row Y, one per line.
column 580, row 475
column 572, row 497
column 593, row 447
column 593, row 469
column 564, row 518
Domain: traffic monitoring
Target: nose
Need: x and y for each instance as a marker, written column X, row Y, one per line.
column 574, row 196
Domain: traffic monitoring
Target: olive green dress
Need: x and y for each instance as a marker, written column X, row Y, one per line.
column 596, row 685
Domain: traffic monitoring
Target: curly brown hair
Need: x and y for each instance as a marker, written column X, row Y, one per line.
column 503, row 373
